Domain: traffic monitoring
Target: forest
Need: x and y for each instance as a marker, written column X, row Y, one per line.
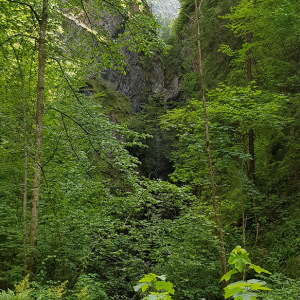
column 146, row 157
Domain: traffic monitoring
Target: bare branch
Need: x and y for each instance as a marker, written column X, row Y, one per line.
column 69, row 139
column 69, row 84
column 52, row 153
column 39, row 165
column 19, row 34
column 109, row 3
column 62, row 113
column 86, row 13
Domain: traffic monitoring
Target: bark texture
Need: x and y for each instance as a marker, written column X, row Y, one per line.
column 25, row 178
column 209, row 159
column 38, row 137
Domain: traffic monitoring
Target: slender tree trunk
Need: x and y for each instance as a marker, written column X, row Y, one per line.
column 38, row 137
column 209, row 160
column 25, row 178
column 251, row 152
column 25, row 175
column 24, row 240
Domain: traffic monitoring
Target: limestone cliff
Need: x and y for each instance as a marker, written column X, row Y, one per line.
column 145, row 76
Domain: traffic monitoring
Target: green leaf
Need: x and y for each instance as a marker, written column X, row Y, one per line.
column 246, row 295
column 239, row 260
column 162, row 277
column 256, row 281
column 258, row 269
column 227, row 276
column 239, row 257
column 231, row 292
column 167, row 286
column 142, row 286
column 235, row 287
column 157, row 296
column 255, row 285
column 148, row 278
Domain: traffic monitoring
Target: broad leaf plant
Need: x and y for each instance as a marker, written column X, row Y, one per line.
column 243, row 290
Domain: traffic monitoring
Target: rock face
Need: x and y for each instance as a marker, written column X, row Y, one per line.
column 131, row 84
column 144, row 75
column 144, row 78
column 166, row 8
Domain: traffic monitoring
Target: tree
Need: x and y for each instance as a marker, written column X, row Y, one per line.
column 207, row 137
column 38, row 133
column 26, row 157
column 232, row 112
column 269, row 22
column 136, row 31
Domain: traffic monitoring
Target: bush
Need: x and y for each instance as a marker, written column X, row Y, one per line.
column 282, row 288
column 23, row 292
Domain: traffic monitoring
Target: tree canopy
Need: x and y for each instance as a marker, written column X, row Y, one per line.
column 94, row 197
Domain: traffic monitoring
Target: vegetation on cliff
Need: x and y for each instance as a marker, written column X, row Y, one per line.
column 115, row 196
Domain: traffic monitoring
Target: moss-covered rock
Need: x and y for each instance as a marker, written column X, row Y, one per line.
column 116, row 104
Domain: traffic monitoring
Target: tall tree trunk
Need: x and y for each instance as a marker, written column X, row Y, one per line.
column 25, row 178
column 209, row 159
column 251, row 175
column 38, row 137
column 24, row 202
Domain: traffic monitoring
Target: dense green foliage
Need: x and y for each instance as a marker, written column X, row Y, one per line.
column 123, row 196
column 269, row 106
